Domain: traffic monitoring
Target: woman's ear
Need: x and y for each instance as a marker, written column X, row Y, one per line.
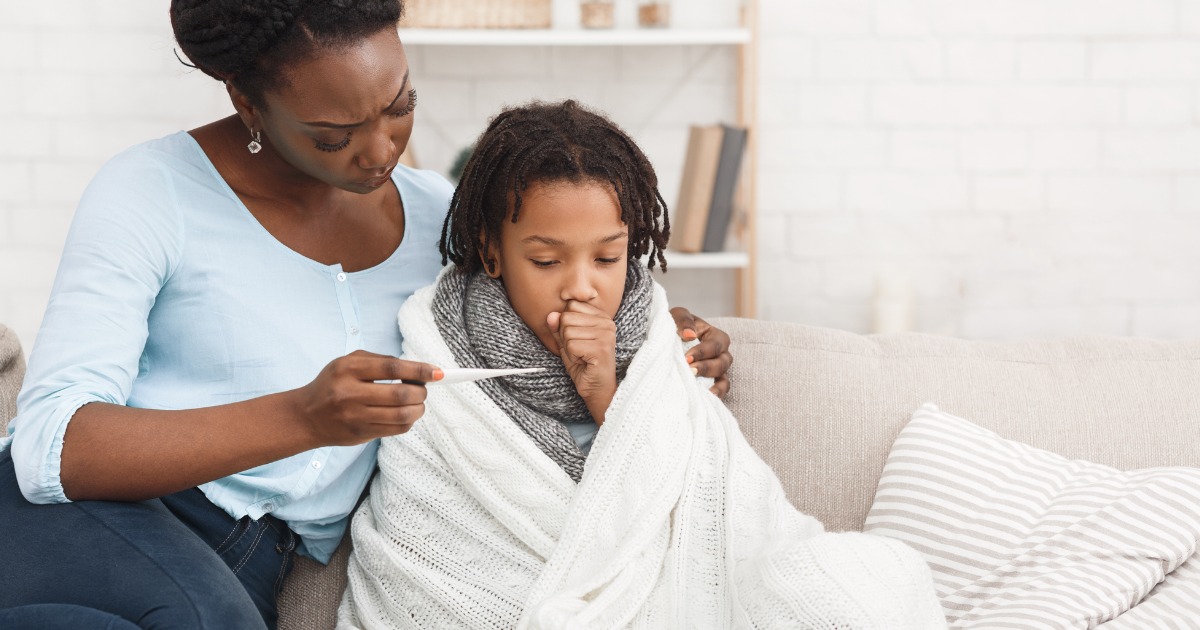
column 490, row 256
column 246, row 110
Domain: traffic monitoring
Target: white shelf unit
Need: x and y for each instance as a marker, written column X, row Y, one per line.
column 742, row 263
column 716, row 260
column 574, row 37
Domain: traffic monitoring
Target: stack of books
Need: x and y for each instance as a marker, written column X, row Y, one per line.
column 711, row 169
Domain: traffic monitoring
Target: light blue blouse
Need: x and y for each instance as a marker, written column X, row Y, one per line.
column 170, row 295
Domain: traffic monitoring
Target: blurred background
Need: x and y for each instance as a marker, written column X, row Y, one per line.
column 978, row 168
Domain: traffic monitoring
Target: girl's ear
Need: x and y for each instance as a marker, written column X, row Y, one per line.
column 490, row 256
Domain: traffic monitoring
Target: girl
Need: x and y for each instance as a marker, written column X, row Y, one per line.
column 609, row 489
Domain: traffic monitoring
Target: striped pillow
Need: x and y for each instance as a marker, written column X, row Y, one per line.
column 1018, row 537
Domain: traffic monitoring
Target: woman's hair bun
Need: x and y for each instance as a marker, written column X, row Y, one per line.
column 251, row 44
column 225, row 38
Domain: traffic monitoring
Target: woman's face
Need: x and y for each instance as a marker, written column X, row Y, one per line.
column 568, row 244
column 345, row 116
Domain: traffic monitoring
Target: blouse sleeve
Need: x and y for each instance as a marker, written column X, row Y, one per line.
column 122, row 246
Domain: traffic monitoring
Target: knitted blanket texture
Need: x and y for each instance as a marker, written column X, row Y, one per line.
column 675, row 523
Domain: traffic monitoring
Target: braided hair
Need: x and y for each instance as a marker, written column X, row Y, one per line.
column 250, row 43
column 549, row 143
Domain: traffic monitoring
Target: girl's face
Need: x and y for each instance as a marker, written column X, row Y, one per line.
column 345, row 116
column 568, row 244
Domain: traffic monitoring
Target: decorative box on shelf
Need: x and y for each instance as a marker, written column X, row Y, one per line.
column 476, row 14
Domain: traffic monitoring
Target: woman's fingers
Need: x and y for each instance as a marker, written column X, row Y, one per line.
column 685, row 323
column 720, row 387
column 715, row 368
column 393, row 416
column 354, row 395
column 392, row 394
column 711, row 356
column 713, row 340
column 710, row 359
column 391, row 408
column 368, row 366
column 385, row 421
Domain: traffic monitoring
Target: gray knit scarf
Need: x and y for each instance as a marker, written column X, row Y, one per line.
column 479, row 324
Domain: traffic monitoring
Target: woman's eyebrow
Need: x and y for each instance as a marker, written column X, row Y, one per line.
column 332, row 125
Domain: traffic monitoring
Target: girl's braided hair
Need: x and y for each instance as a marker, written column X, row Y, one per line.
column 550, row 143
column 250, row 43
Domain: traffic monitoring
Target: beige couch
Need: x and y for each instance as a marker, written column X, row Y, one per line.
column 823, row 406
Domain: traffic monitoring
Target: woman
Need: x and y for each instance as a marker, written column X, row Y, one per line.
column 201, row 399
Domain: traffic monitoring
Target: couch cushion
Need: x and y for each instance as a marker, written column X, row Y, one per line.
column 1016, row 535
column 12, row 372
column 312, row 592
column 823, row 406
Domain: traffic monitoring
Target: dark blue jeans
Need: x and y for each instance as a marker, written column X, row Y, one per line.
column 174, row 562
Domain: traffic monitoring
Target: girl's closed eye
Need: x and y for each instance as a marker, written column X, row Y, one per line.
column 609, row 261
column 542, row 263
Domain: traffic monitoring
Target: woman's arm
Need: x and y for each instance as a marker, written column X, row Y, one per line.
column 75, row 438
column 114, row 452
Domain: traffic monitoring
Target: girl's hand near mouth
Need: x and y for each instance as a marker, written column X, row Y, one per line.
column 587, row 343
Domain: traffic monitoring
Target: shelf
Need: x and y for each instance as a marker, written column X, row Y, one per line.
column 714, row 260
column 738, row 42
column 574, row 37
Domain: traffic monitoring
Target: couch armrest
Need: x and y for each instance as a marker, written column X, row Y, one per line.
column 12, row 372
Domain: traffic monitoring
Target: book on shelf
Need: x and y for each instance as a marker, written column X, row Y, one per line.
column 696, row 187
column 720, row 212
column 711, row 169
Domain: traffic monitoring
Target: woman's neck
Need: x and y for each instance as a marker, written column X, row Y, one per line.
column 263, row 177
column 317, row 220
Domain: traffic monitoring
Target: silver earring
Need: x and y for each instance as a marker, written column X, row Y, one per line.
column 255, row 145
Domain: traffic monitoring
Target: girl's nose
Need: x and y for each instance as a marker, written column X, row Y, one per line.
column 579, row 287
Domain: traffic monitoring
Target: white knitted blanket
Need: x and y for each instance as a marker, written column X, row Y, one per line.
column 676, row 522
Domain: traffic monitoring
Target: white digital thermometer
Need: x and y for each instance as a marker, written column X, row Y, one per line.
column 466, row 375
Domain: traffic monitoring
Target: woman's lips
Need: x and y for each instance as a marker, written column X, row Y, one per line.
column 376, row 182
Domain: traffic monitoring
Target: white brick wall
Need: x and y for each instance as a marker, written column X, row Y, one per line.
column 83, row 80
column 89, row 78
column 1032, row 165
